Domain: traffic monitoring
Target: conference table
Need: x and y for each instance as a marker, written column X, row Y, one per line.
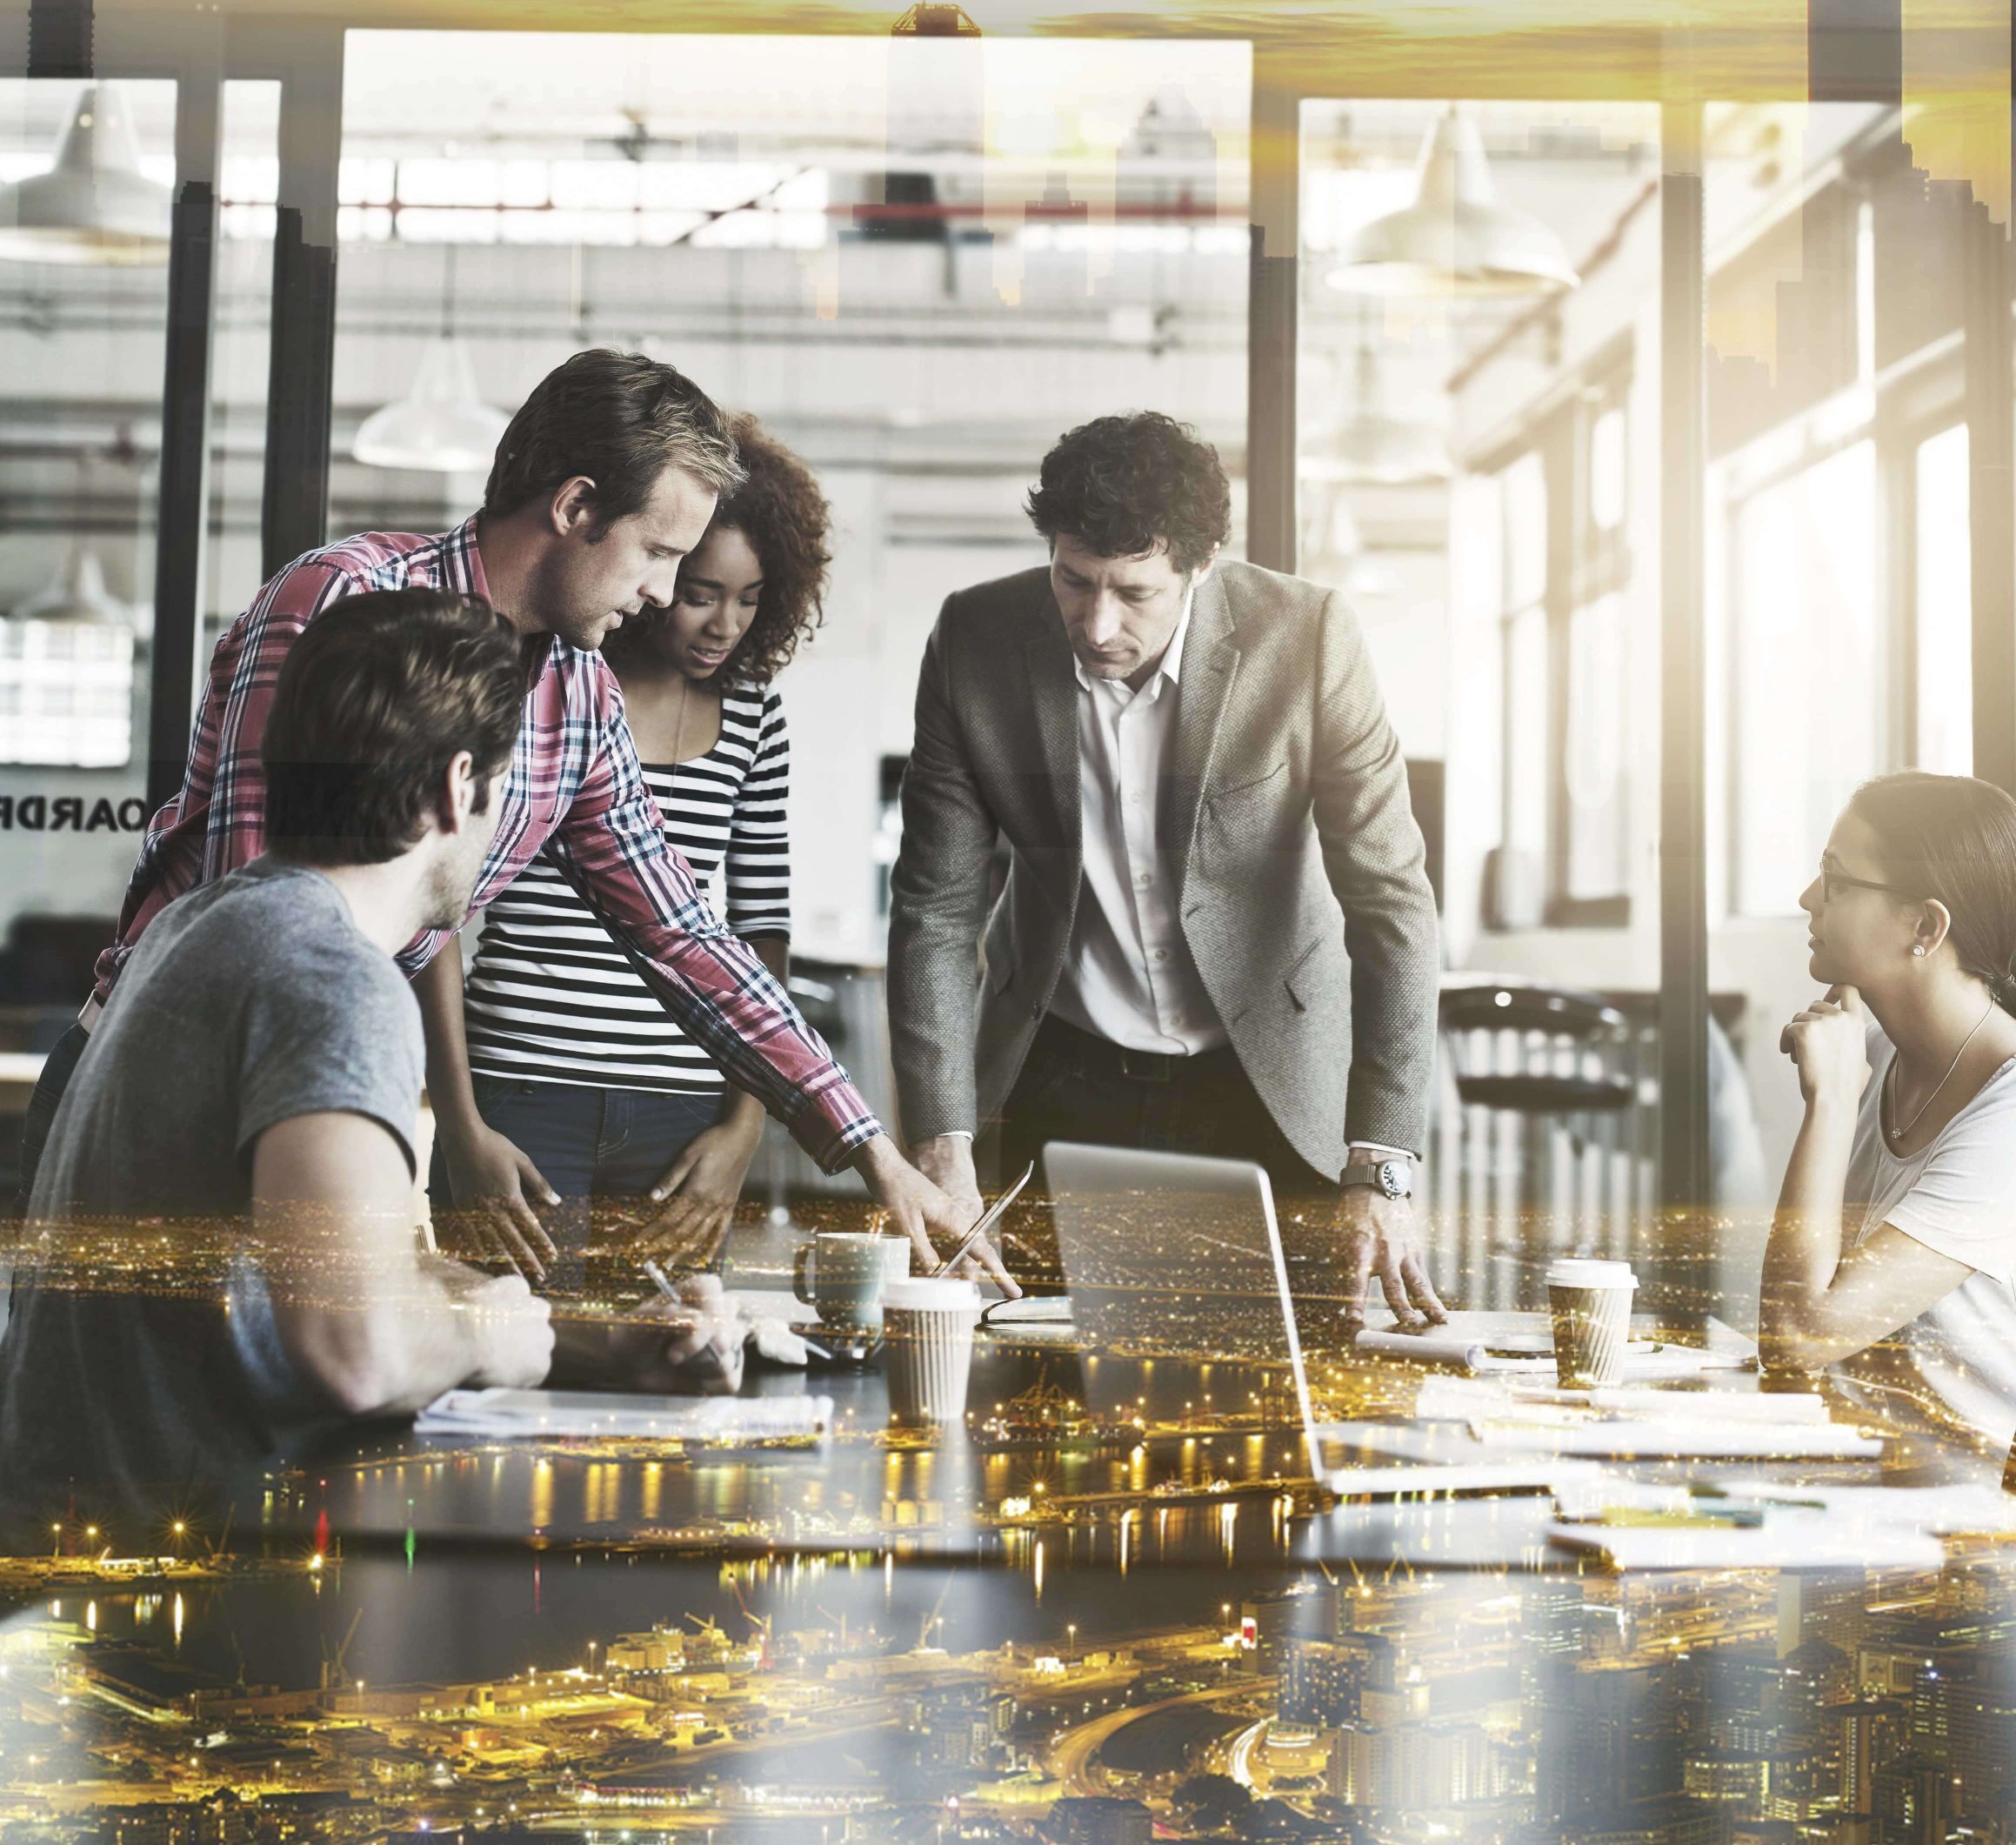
column 1210, row 1463
column 1039, row 1623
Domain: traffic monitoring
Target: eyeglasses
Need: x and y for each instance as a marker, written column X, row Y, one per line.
column 1832, row 882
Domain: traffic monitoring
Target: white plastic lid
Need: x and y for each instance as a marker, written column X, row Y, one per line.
column 1575, row 1271
column 932, row 1293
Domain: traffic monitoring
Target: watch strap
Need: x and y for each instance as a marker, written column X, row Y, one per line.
column 1371, row 1172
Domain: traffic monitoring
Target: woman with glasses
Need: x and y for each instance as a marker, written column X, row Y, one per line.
column 1898, row 1206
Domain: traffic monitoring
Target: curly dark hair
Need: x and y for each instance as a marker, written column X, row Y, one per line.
column 780, row 510
column 1122, row 485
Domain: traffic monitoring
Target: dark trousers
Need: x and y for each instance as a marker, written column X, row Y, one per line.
column 594, row 1147
column 57, row 1070
column 1074, row 1086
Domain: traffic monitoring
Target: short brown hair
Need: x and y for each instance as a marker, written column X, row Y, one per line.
column 621, row 420
column 381, row 692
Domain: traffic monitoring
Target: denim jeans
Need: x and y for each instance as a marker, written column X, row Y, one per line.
column 589, row 1145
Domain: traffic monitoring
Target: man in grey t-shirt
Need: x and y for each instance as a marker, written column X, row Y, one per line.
column 256, row 1001
column 220, row 1255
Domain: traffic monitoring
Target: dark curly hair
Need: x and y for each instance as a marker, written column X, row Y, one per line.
column 1122, row 485
column 780, row 510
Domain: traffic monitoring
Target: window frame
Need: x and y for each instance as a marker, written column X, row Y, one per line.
column 1920, row 396
column 1585, row 564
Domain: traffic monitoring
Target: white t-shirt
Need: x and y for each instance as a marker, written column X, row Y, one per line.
column 1958, row 1197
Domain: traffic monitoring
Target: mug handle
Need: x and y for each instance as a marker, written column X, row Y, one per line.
column 799, row 1285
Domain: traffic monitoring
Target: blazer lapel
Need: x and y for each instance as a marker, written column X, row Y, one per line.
column 1052, row 703
column 1210, row 665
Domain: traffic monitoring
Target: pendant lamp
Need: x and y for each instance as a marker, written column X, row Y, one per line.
column 1371, row 445
column 1455, row 239
column 441, row 424
column 94, row 205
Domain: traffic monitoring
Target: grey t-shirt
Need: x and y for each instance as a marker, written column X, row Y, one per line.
column 139, row 1367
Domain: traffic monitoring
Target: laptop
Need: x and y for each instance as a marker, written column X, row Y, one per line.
column 1181, row 1256
column 1175, row 1255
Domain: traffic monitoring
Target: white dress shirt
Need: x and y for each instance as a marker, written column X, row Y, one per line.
column 1129, row 977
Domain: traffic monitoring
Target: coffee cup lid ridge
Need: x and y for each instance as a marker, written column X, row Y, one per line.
column 941, row 1293
column 1589, row 1272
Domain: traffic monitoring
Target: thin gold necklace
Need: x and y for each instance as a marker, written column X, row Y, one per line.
column 1898, row 1134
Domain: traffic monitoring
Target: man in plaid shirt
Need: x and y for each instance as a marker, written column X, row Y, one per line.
column 606, row 479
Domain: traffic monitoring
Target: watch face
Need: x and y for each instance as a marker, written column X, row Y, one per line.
column 1392, row 1179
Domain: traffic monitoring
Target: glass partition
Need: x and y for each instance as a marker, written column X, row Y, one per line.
column 83, row 320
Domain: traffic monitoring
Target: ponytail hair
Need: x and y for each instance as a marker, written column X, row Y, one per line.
column 1951, row 839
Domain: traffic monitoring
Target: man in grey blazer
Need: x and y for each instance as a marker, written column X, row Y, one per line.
column 1216, row 934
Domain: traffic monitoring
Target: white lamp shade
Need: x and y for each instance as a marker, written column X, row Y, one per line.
column 441, row 425
column 78, row 593
column 94, row 205
column 1373, row 446
column 1455, row 239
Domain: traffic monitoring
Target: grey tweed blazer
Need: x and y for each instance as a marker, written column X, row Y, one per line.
column 1303, row 895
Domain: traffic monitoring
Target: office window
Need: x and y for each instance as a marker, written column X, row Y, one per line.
column 66, row 693
column 1944, row 737
column 1564, row 568
column 1594, row 812
column 1520, row 895
column 1803, row 577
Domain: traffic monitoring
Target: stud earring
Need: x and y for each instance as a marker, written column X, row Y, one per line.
column 1918, row 948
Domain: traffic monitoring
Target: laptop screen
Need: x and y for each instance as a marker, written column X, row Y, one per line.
column 1173, row 1255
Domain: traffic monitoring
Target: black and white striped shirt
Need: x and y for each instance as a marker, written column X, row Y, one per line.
column 552, row 998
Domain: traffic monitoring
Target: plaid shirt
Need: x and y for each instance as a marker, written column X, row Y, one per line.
column 574, row 787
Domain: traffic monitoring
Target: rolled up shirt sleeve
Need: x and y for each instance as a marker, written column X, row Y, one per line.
column 610, row 846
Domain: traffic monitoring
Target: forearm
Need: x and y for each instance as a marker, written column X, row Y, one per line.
column 1395, row 980
column 933, row 977
column 390, row 1340
column 744, row 1111
column 450, row 1093
column 1802, row 1255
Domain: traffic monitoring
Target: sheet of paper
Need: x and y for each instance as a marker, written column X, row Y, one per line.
column 1641, row 1438
column 499, row 1414
column 1460, row 1399
column 1793, row 1540
column 1540, row 1475
column 1521, row 1345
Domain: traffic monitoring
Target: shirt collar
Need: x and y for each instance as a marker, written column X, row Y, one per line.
column 465, row 559
column 1169, row 667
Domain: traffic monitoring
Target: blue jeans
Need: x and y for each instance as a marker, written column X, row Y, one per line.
column 589, row 1145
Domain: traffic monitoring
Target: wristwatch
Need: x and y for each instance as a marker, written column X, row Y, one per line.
column 1390, row 1178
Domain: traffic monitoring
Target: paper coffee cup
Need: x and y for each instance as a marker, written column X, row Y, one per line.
column 1592, row 1312
column 927, row 1331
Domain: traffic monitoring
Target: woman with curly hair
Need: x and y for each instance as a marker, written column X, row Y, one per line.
column 640, row 1144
